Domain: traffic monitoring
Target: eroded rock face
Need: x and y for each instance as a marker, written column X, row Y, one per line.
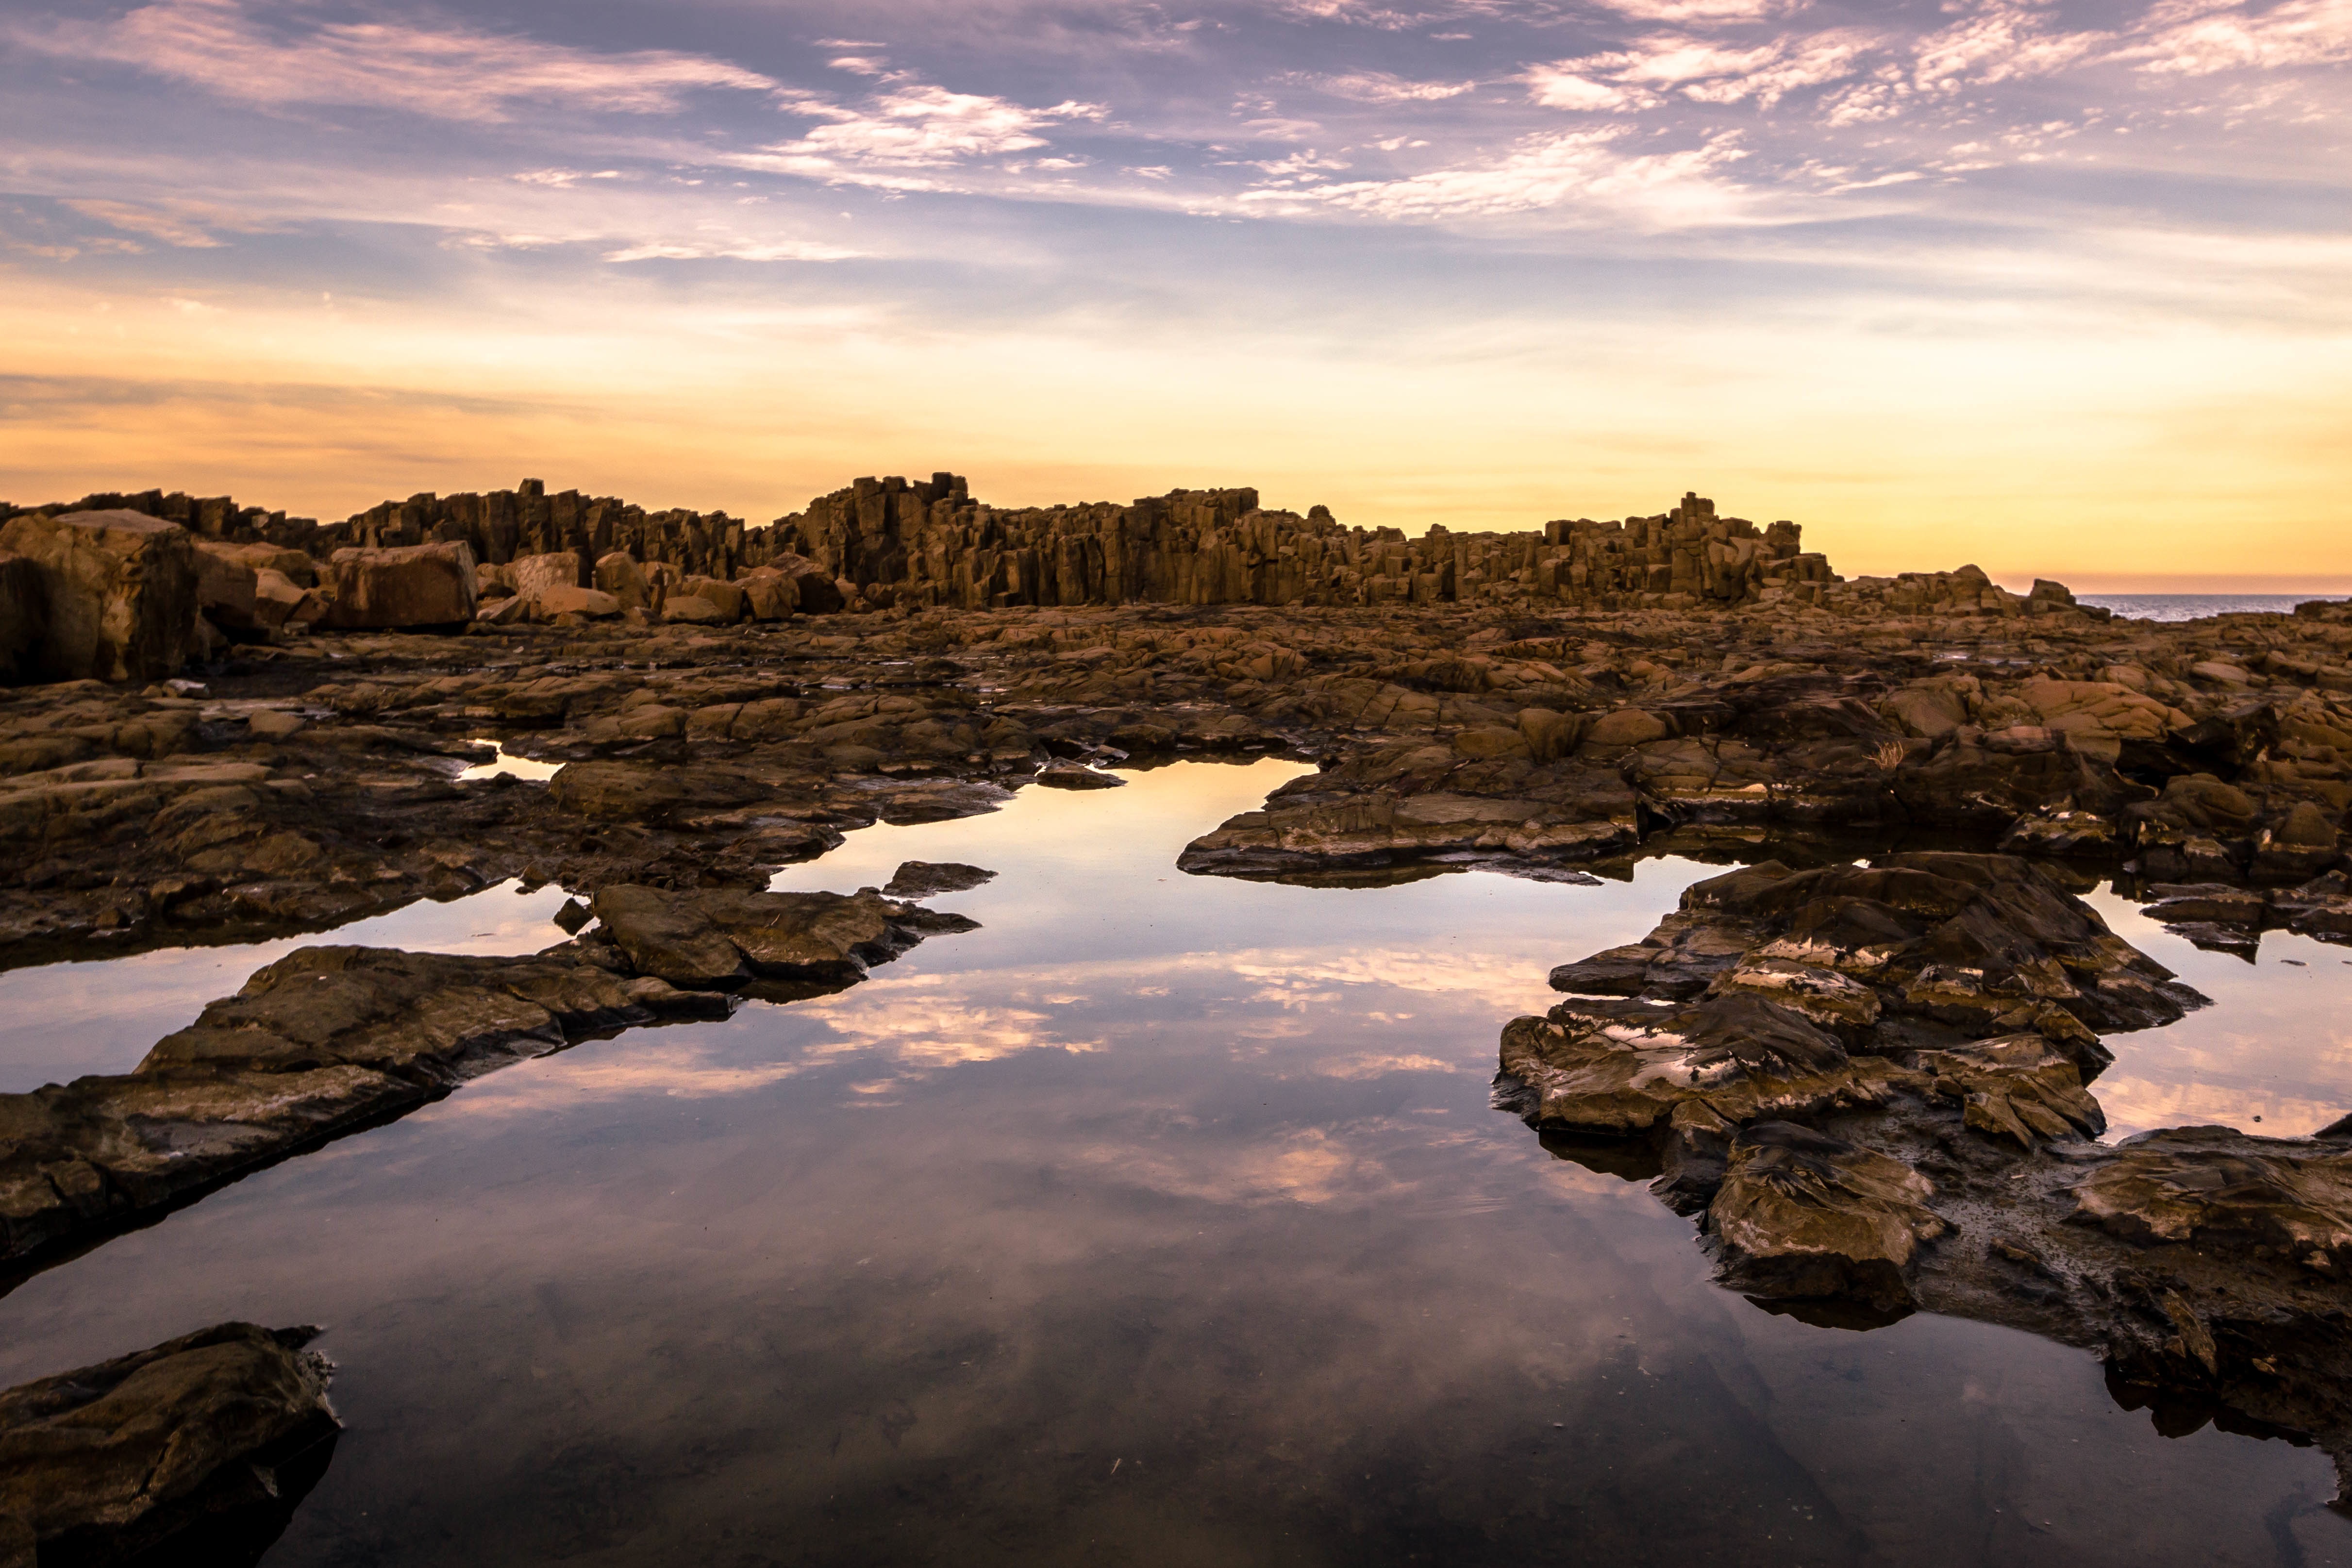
column 199, row 1443
column 1870, row 1082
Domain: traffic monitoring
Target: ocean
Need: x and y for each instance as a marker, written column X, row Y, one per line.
column 2191, row 606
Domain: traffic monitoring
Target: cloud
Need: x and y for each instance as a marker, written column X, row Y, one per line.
column 1383, row 87
column 1698, row 70
column 1688, row 12
column 1575, row 169
column 2200, row 37
column 894, row 139
column 1559, row 87
column 2004, row 42
column 169, row 228
column 732, row 250
column 452, row 72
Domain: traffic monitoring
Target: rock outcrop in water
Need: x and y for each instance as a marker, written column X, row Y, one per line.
column 331, row 1039
column 1870, row 1082
column 197, row 1450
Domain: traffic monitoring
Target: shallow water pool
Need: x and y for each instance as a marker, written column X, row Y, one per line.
column 1163, row 1220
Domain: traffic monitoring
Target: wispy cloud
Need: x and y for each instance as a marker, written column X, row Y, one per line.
column 2200, row 38
column 170, row 228
column 1384, row 87
column 451, row 71
column 907, row 136
column 1578, row 172
column 731, row 250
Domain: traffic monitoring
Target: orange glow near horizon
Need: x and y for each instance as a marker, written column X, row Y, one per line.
column 2217, row 460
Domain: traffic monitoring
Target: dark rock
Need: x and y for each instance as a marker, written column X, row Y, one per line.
column 1071, row 775
column 202, row 1441
column 926, row 879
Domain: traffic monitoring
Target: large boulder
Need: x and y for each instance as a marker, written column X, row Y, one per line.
column 535, row 574
column 619, row 575
column 133, row 1457
column 120, row 590
column 417, row 585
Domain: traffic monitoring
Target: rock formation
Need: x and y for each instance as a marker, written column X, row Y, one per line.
column 1870, row 1084
column 109, row 594
column 331, row 1039
column 196, row 1450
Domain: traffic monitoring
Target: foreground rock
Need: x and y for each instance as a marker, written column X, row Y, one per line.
column 331, row 1039
column 196, row 1450
column 1870, row 1084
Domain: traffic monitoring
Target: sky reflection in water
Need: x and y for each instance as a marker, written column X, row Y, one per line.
column 1163, row 1220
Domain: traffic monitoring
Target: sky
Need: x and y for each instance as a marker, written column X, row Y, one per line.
column 2061, row 289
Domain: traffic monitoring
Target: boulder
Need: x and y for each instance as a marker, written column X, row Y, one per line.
column 549, row 603
column 619, row 575
column 770, row 596
column 535, row 574
column 687, row 607
column 415, row 585
column 136, row 1458
column 814, row 590
column 120, row 591
column 726, row 596
column 277, row 598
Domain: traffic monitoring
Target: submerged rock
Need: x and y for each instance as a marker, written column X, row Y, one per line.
column 202, row 1445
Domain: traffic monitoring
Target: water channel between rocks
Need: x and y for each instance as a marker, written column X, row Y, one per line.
column 1165, row 1219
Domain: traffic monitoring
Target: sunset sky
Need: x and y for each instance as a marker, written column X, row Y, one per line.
column 2061, row 289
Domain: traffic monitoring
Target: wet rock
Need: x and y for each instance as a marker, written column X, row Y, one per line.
column 418, row 586
column 205, row 1443
column 929, row 878
column 1936, row 1155
column 726, row 937
column 118, row 594
column 324, row 1041
column 1072, row 775
column 1805, row 1215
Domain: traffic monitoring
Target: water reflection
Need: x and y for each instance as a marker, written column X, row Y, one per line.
column 1163, row 1220
column 2272, row 1055
column 60, row 1021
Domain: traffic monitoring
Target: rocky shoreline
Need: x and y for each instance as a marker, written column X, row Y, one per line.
column 1871, row 1082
